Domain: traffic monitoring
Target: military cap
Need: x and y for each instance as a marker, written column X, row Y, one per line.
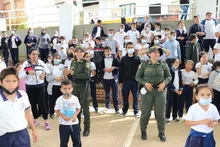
column 154, row 48
column 79, row 48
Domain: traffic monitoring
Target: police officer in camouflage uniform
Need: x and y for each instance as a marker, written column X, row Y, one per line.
column 155, row 75
column 80, row 74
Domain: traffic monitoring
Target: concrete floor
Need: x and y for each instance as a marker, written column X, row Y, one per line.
column 110, row 130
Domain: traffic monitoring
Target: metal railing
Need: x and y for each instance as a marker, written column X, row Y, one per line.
column 33, row 19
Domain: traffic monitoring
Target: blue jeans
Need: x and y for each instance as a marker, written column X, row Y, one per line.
column 114, row 86
column 130, row 85
column 185, row 11
column 70, row 130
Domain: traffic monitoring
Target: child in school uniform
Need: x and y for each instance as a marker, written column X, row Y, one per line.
column 55, row 78
column 203, row 68
column 67, row 108
column 216, row 50
column 62, row 49
column 21, row 81
column 175, row 88
column 190, row 80
column 202, row 117
column 68, row 61
column 214, row 83
column 15, row 112
column 87, row 56
column 2, row 64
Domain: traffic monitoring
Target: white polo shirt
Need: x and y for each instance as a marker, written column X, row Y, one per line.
column 92, row 64
column 12, row 114
column 134, row 35
column 196, row 113
column 217, row 55
column 205, row 68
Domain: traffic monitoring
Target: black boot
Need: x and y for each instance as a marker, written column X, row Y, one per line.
column 143, row 135
column 162, row 137
column 86, row 132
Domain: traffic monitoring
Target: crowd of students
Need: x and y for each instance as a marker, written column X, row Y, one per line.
column 114, row 62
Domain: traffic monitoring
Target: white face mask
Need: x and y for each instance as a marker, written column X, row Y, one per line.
column 56, row 35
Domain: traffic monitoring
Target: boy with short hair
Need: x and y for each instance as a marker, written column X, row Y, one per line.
column 15, row 112
column 67, row 108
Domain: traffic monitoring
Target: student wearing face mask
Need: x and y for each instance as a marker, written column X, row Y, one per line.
column 158, row 32
column 74, row 42
column 147, row 22
column 148, row 33
column 165, row 36
column 119, row 36
column 193, row 49
column 202, row 117
column 174, row 47
column 112, row 42
column 62, row 48
column 143, row 44
column 122, row 51
column 88, row 44
column 175, row 89
column 54, row 41
column 14, row 41
column 70, row 57
column 55, row 77
column 214, row 83
column 216, row 50
column 127, row 71
column 133, row 34
column 30, row 40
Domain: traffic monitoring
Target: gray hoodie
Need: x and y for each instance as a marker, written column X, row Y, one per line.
column 43, row 41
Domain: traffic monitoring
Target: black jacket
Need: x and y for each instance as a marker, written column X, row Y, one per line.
column 115, row 63
column 4, row 44
column 128, row 67
column 192, row 51
column 183, row 34
column 94, row 31
column 170, row 86
column 197, row 28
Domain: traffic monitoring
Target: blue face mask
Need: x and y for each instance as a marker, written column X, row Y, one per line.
column 174, row 67
column 218, row 70
column 173, row 37
column 126, row 41
column 110, row 35
column 156, row 42
column 197, row 40
column 204, row 101
column 49, row 60
column 130, row 51
column 143, row 41
column 56, row 61
column 121, row 30
column 148, row 29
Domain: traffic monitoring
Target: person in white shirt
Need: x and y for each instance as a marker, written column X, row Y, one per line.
column 2, row 64
column 133, row 34
column 190, row 80
column 54, row 78
column 15, row 112
column 67, row 108
column 119, row 36
column 87, row 57
column 88, row 44
column 112, row 42
column 62, row 48
column 210, row 24
column 148, row 33
column 68, row 61
column 54, row 42
column 202, row 117
column 165, row 37
column 142, row 45
column 35, row 70
column 158, row 32
column 122, row 51
column 216, row 50
column 174, row 92
column 214, row 83
column 203, row 68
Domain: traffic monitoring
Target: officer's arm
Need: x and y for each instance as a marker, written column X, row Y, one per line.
column 140, row 74
column 83, row 75
column 167, row 75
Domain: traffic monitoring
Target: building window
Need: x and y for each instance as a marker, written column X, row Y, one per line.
column 155, row 10
column 127, row 9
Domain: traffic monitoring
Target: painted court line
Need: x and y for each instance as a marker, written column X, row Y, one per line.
column 130, row 136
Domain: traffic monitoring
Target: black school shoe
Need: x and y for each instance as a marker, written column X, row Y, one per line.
column 143, row 135
column 86, row 132
column 162, row 137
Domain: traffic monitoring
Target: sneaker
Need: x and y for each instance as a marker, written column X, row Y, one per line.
column 36, row 122
column 117, row 112
column 47, row 126
column 105, row 110
column 53, row 116
column 176, row 120
column 167, row 121
column 122, row 114
column 137, row 115
column 181, row 119
column 97, row 110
